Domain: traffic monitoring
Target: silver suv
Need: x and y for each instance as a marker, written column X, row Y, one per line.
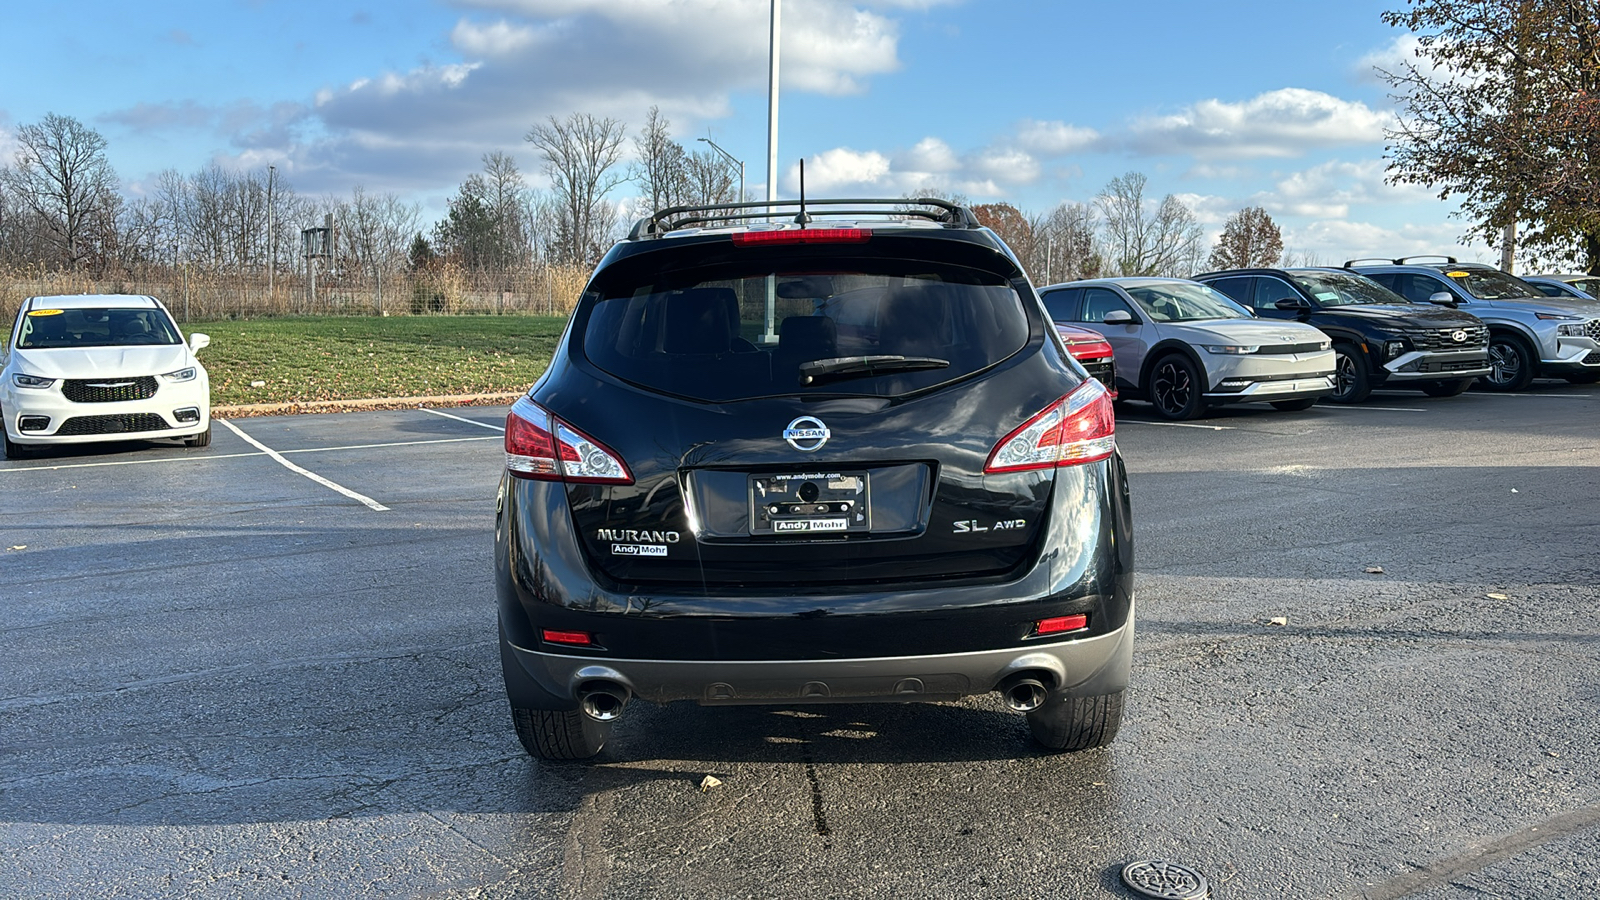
column 1186, row 347
column 1529, row 334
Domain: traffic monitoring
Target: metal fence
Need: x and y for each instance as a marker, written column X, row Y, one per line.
column 195, row 293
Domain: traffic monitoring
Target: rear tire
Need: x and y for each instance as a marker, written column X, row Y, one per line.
column 559, row 733
column 1350, row 381
column 1447, row 388
column 1175, row 388
column 1511, row 363
column 203, row 439
column 1070, row 723
column 1294, row 405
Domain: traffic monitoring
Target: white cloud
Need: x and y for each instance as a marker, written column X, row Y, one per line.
column 1054, row 138
column 1285, row 122
column 831, row 170
column 1328, row 190
column 520, row 61
column 1333, row 242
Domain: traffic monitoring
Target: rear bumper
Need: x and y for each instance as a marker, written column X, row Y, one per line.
column 1089, row 666
column 902, row 641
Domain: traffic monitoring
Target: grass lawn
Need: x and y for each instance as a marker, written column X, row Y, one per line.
column 346, row 358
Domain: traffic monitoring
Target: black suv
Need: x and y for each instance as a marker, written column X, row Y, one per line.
column 779, row 463
column 1380, row 338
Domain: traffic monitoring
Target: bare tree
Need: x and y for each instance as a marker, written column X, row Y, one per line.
column 662, row 165
column 1250, row 239
column 581, row 154
column 62, row 177
column 1165, row 241
column 1069, row 235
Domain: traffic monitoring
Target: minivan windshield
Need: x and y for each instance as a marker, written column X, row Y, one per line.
column 875, row 327
column 1491, row 284
column 46, row 328
column 1337, row 289
column 1180, row 301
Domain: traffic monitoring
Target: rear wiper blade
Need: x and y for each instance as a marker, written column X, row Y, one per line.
column 851, row 366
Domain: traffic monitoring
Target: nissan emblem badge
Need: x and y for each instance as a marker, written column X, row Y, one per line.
column 806, row 434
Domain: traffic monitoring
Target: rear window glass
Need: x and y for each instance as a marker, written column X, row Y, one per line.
column 874, row 327
column 43, row 328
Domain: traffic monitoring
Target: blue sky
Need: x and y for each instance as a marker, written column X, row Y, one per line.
column 1025, row 101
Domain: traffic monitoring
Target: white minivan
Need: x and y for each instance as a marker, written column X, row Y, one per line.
column 101, row 367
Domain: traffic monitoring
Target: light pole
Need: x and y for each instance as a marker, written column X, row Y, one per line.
column 271, row 261
column 730, row 158
column 772, row 108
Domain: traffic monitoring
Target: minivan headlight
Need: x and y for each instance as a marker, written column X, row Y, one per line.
column 181, row 375
column 1231, row 349
column 31, row 381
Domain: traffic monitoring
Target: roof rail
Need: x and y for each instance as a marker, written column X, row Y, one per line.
column 1350, row 263
column 1406, row 260
column 802, row 211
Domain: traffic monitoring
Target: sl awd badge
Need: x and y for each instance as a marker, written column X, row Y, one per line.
column 807, row 434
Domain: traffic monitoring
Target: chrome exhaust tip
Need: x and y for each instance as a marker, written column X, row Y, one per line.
column 603, row 701
column 1025, row 692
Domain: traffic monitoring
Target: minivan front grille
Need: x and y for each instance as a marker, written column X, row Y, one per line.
column 109, row 390
column 122, row 423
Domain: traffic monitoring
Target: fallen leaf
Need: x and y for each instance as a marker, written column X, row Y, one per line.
column 18, row 547
column 1496, row 597
column 709, row 782
column 1278, row 620
column 1373, row 570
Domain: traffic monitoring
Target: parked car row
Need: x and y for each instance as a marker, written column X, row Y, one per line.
column 1292, row 336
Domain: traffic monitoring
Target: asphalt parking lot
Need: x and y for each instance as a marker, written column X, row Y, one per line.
column 268, row 669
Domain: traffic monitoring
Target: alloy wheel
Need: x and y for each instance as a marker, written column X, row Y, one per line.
column 1344, row 372
column 1171, row 388
column 1505, row 363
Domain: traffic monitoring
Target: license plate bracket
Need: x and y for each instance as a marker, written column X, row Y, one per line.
column 810, row 504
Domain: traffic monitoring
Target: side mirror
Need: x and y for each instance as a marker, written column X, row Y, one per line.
column 1292, row 303
column 198, row 342
column 1443, row 298
column 1118, row 317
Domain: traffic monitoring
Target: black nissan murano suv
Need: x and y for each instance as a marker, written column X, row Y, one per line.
column 836, row 455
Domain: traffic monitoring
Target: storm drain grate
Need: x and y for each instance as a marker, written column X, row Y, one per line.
column 1167, row 880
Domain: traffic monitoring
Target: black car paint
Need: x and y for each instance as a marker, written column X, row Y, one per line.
column 970, row 561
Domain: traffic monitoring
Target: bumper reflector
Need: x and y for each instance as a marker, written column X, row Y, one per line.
column 1061, row 624
column 576, row 638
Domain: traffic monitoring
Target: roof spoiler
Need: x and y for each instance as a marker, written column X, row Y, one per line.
column 801, row 212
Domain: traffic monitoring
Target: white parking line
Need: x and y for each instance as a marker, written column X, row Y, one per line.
column 362, row 498
column 1524, row 394
column 211, row 456
column 1374, row 408
column 1177, row 425
column 460, row 419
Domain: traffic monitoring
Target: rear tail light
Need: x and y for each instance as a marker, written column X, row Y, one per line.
column 1078, row 428
column 802, row 236
column 542, row 447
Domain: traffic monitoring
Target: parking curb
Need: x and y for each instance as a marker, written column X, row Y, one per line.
column 300, row 407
